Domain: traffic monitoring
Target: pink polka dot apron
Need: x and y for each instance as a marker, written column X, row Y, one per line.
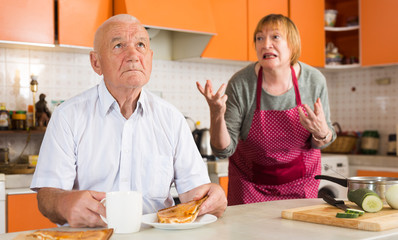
column 276, row 160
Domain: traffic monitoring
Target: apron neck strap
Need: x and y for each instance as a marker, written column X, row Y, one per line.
column 259, row 87
column 296, row 89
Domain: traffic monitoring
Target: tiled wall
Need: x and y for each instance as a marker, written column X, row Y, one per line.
column 359, row 103
column 62, row 75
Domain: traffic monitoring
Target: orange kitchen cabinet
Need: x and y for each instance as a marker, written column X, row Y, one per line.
column 343, row 35
column 223, row 181
column 369, row 173
column 379, row 35
column 23, row 213
column 230, row 42
column 257, row 9
column 29, row 21
column 308, row 16
column 78, row 20
column 193, row 15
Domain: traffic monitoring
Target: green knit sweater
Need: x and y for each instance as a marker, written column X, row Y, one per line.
column 241, row 103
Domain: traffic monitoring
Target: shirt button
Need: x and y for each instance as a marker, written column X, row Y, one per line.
column 124, row 179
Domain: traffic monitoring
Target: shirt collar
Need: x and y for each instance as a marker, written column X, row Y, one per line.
column 108, row 102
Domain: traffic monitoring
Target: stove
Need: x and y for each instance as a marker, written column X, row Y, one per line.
column 335, row 166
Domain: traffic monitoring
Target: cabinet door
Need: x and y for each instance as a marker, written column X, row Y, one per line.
column 223, row 181
column 193, row 15
column 30, row 21
column 78, row 20
column 369, row 173
column 23, row 213
column 257, row 9
column 230, row 17
column 379, row 35
column 308, row 16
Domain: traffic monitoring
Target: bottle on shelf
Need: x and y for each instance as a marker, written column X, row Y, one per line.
column 4, row 117
column 29, row 117
column 19, row 120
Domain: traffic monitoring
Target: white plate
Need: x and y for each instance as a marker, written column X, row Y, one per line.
column 152, row 219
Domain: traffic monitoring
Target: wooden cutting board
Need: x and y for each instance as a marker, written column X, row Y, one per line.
column 386, row 219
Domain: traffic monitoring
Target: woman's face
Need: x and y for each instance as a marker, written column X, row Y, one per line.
column 272, row 48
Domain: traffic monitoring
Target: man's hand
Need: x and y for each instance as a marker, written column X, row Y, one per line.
column 77, row 208
column 215, row 204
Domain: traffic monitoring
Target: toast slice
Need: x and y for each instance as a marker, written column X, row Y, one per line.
column 181, row 213
column 101, row 234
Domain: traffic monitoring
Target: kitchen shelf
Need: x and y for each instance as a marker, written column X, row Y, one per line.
column 8, row 132
column 343, row 66
column 341, row 29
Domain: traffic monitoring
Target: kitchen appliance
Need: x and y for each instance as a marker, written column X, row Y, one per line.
column 336, row 166
column 325, row 214
column 376, row 184
column 202, row 140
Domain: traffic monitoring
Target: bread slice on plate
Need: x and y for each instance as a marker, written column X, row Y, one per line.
column 181, row 213
column 100, row 234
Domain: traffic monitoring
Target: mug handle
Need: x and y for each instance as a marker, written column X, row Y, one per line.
column 103, row 202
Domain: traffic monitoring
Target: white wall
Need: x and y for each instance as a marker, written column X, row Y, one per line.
column 63, row 74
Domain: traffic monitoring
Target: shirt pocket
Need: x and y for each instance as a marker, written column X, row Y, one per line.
column 158, row 175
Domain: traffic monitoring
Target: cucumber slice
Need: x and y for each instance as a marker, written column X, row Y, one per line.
column 366, row 199
column 347, row 215
column 372, row 203
column 359, row 212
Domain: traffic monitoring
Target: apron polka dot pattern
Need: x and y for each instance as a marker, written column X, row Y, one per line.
column 276, row 160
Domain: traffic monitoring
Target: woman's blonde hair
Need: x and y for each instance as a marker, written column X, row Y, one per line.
column 288, row 28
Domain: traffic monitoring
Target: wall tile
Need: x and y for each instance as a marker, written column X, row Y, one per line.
column 17, row 55
column 2, row 54
column 357, row 102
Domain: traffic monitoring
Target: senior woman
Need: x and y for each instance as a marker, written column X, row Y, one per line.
column 272, row 120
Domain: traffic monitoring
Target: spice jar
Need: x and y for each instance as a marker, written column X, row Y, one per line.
column 4, row 117
column 392, row 144
column 19, row 120
column 370, row 142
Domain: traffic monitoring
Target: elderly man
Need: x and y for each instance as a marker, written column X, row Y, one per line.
column 117, row 136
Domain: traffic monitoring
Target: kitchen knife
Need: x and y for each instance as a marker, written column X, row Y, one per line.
column 337, row 203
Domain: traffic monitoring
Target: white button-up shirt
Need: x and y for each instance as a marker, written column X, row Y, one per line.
column 89, row 145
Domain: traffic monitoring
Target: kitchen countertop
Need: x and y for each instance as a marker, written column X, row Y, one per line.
column 220, row 167
column 254, row 221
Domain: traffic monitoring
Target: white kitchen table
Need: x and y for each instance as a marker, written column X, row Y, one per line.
column 254, row 221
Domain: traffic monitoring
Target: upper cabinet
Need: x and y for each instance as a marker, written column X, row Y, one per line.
column 28, row 21
column 257, row 9
column 342, row 35
column 309, row 19
column 194, row 15
column 230, row 42
column 78, row 20
column 178, row 29
column 363, row 35
column 379, row 35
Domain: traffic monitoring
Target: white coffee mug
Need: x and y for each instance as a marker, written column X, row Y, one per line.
column 123, row 211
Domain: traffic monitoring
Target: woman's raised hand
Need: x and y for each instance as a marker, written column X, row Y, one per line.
column 314, row 121
column 217, row 101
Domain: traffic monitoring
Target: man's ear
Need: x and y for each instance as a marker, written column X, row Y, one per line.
column 95, row 62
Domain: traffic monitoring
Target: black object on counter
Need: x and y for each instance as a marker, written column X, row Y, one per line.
column 392, row 144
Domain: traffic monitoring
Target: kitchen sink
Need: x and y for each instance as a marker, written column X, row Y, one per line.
column 18, row 180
